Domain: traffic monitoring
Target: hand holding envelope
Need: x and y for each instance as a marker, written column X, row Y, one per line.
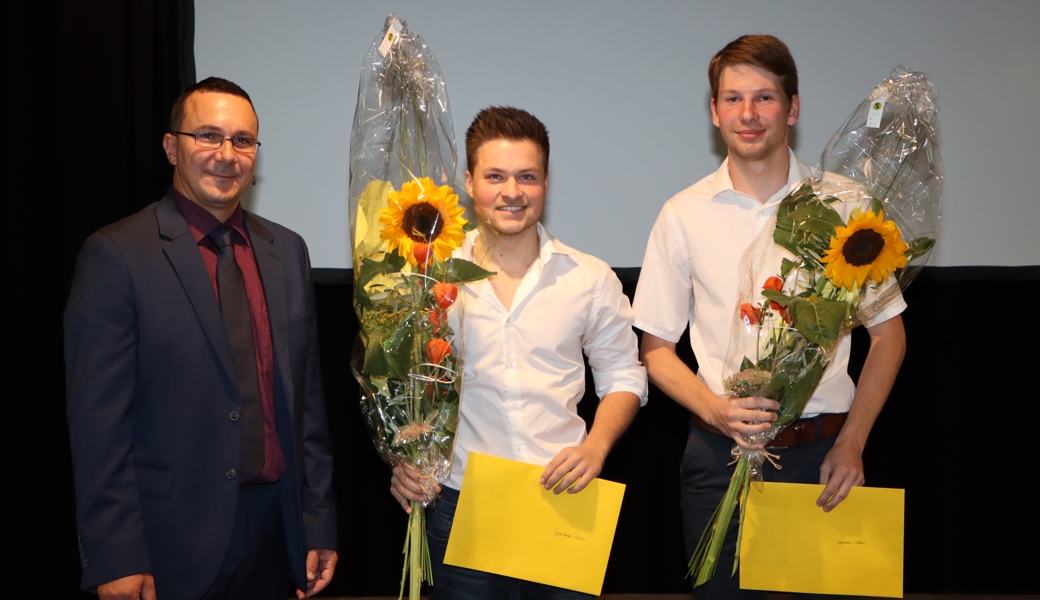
column 790, row 545
column 508, row 524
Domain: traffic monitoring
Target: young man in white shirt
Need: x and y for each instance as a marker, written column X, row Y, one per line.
column 526, row 329
column 689, row 276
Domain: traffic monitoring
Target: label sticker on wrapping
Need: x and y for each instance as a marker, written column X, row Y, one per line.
column 877, row 107
column 392, row 33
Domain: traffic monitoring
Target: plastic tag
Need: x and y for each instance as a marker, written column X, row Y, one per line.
column 877, row 107
column 392, row 33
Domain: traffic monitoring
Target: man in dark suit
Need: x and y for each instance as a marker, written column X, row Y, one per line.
column 202, row 462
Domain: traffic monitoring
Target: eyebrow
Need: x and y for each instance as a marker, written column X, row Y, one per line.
column 238, row 133
column 754, row 91
column 501, row 170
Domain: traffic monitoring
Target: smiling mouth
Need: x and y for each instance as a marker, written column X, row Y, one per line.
column 511, row 208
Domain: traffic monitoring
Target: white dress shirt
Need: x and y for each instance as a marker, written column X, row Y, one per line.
column 524, row 373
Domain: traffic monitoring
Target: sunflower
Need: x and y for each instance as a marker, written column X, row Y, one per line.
column 869, row 247
column 423, row 213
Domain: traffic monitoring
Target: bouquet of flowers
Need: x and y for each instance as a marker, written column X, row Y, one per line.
column 405, row 222
column 840, row 249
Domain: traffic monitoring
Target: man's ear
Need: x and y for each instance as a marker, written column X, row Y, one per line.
column 714, row 115
column 796, row 107
column 469, row 183
column 169, row 144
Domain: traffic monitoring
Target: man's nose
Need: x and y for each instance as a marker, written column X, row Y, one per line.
column 226, row 150
column 512, row 188
column 748, row 111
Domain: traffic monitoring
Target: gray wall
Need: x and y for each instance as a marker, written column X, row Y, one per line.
column 622, row 86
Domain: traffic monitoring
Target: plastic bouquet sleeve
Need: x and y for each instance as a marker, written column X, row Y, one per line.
column 405, row 225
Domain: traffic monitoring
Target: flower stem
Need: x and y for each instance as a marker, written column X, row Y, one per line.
column 706, row 557
column 417, row 554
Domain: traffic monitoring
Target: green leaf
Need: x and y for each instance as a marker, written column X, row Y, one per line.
column 804, row 219
column 919, row 247
column 801, row 390
column 397, row 347
column 377, row 363
column 389, row 262
column 779, row 383
column 820, row 321
column 746, row 364
column 786, row 266
column 362, row 301
column 459, row 270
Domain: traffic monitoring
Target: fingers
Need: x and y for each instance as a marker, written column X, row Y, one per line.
column 312, row 565
column 404, row 502
column 327, row 568
column 556, row 472
column 585, row 480
column 148, row 588
column 833, row 494
column 321, row 566
column 131, row 587
column 407, row 486
column 570, row 470
column 756, row 403
column 838, row 483
column 736, row 417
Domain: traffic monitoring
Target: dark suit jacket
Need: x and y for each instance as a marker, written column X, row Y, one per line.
column 150, row 388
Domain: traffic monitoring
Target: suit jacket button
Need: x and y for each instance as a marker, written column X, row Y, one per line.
column 234, row 415
column 86, row 563
column 231, row 473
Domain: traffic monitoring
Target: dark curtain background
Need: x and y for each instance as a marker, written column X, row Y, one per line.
column 955, row 434
column 89, row 88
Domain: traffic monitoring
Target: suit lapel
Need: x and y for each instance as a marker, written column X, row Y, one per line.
column 272, row 276
column 183, row 253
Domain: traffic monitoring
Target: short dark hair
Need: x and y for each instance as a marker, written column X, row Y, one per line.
column 505, row 122
column 210, row 84
column 763, row 51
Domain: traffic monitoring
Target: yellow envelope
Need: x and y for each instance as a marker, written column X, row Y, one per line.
column 507, row 524
column 790, row 545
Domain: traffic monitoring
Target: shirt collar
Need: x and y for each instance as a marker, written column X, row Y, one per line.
column 722, row 184
column 550, row 245
column 201, row 222
column 547, row 245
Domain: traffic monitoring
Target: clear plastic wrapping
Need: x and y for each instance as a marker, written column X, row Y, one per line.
column 405, row 223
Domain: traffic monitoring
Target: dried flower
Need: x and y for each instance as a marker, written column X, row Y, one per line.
column 412, row 432
column 749, row 382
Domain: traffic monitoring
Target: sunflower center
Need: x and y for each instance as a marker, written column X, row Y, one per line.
column 422, row 222
column 863, row 247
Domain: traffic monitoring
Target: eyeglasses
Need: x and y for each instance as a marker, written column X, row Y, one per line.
column 212, row 140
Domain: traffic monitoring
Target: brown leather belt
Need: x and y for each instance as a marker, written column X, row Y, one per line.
column 800, row 432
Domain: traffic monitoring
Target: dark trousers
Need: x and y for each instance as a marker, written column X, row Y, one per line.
column 456, row 583
column 256, row 566
column 705, row 475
